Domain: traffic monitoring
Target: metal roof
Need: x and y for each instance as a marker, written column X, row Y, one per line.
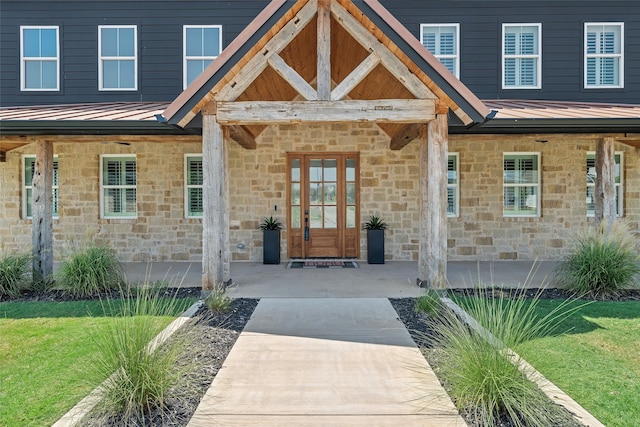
column 534, row 109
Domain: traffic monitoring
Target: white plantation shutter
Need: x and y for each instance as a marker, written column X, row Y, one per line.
column 604, row 55
column 452, row 185
column 194, row 205
column 119, row 187
column 442, row 41
column 521, row 56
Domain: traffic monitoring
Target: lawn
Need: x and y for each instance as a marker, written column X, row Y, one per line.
column 45, row 348
column 596, row 360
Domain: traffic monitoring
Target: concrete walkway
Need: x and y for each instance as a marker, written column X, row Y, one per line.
column 325, row 362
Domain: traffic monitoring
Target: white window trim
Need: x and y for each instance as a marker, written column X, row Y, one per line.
column 184, row 49
column 620, row 201
column 538, row 56
column 24, row 60
column 187, row 186
column 26, row 187
column 457, row 55
column 102, row 186
column 123, row 58
column 455, row 186
column 538, row 184
column 597, row 55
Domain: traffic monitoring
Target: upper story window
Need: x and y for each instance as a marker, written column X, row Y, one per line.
column 39, row 58
column 591, row 182
column 443, row 41
column 521, row 183
column 453, row 190
column 118, row 186
column 117, row 57
column 27, row 183
column 194, row 180
column 521, row 56
column 604, row 55
column 202, row 44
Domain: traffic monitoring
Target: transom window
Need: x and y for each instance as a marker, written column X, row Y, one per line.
column 27, row 183
column 443, row 41
column 591, row 183
column 202, row 44
column 521, row 181
column 521, row 56
column 453, row 190
column 193, row 186
column 118, row 60
column 604, row 55
column 118, row 185
column 39, row 58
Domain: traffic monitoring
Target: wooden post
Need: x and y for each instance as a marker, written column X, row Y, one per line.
column 42, row 213
column 432, row 264
column 215, row 218
column 605, row 189
column 324, row 50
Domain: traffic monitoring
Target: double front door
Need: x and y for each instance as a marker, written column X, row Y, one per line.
column 323, row 201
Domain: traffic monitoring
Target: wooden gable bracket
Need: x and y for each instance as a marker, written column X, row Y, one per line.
column 412, row 131
column 3, row 156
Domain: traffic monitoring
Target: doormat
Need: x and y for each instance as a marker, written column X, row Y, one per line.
column 322, row 264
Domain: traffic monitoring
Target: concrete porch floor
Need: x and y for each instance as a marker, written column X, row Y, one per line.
column 395, row 279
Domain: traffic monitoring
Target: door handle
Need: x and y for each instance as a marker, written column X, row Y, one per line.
column 306, row 226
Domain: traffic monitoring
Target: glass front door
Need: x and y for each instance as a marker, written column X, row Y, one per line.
column 323, row 205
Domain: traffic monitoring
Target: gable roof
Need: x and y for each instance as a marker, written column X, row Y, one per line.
column 388, row 30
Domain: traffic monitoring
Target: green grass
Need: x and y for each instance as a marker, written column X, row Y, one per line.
column 596, row 362
column 43, row 348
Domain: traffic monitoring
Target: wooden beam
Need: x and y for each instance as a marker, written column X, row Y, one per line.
column 258, row 63
column 3, row 156
column 324, row 50
column 388, row 59
column 42, row 213
column 215, row 218
column 605, row 189
column 292, row 77
column 432, row 263
column 355, row 77
column 243, row 137
column 283, row 112
column 405, row 136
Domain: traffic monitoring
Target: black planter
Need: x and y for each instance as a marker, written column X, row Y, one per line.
column 375, row 246
column 271, row 246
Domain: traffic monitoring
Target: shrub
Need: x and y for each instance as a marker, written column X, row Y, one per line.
column 429, row 303
column 603, row 262
column 481, row 377
column 218, row 301
column 139, row 375
column 90, row 272
column 15, row 274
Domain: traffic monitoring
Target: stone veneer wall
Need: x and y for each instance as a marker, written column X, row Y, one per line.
column 388, row 187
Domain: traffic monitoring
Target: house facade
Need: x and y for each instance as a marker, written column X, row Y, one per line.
column 170, row 131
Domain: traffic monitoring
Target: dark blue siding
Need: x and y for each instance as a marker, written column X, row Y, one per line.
column 160, row 43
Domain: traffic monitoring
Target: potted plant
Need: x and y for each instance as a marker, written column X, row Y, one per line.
column 270, row 240
column 375, row 227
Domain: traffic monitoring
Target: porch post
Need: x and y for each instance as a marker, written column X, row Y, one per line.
column 432, row 264
column 42, row 213
column 605, row 190
column 215, row 218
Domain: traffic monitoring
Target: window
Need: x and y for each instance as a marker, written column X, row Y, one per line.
column 193, row 186
column 27, row 183
column 521, row 180
column 39, row 58
column 118, row 62
column 443, row 41
column 118, row 186
column 591, row 183
column 202, row 44
column 604, row 55
column 453, row 192
column 521, row 56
